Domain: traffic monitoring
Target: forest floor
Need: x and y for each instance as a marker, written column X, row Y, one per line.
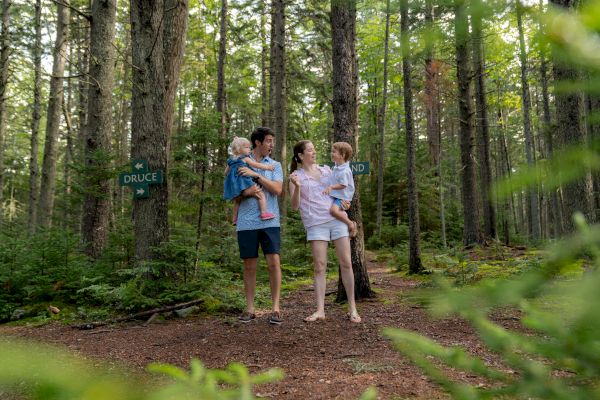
column 331, row 359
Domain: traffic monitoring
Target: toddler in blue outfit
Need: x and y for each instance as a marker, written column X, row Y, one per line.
column 236, row 186
column 342, row 183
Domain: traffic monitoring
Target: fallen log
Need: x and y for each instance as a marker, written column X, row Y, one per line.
column 141, row 314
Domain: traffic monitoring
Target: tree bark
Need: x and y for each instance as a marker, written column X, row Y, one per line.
column 221, row 99
column 471, row 232
column 345, row 123
column 415, row 266
column 157, row 51
column 55, row 101
column 278, row 86
column 577, row 195
column 5, row 51
column 381, row 123
column 432, row 114
column 264, row 55
column 97, row 201
column 483, row 135
column 533, row 207
column 36, row 53
column 555, row 212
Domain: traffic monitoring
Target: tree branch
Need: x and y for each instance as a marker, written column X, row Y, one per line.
column 81, row 13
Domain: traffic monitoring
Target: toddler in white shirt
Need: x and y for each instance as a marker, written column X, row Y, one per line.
column 342, row 183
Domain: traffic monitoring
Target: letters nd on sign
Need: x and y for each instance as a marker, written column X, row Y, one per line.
column 358, row 167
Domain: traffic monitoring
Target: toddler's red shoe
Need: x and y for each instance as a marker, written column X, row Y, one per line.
column 267, row 215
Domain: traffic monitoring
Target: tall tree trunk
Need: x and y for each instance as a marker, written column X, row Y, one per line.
column 175, row 29
column 577, row 195
column 533, row 217
column 36, row 53
column 555, row 214
column 5, row 51
column 122, row 130
column 432, row 113
column 278, row 86
column 483, row 135
column 221, row 99
column 55, row 101
column 381, row 122
column 471, row 232
column 345, row 123
column 264, row 55
column 157, row 51
column 96, row 207
column 68, row 158
column 414, row 260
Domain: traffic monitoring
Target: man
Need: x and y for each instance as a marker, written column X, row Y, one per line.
column 253, row 232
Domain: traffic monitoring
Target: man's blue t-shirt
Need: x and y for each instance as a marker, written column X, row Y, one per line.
column 248, row 214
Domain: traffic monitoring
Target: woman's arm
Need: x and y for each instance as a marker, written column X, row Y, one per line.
column 294, row 187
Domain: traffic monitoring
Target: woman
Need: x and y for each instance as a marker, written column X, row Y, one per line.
column 307, row 184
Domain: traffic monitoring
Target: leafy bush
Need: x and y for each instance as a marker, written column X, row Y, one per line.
column 561, row 361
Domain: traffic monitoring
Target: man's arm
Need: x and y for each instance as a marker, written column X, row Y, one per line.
column 274, row 187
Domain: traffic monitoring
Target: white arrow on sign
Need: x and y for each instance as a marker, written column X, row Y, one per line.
column 139, row 166
column 140, row 191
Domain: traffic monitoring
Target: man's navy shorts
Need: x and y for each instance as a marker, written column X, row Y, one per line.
column 268, row 238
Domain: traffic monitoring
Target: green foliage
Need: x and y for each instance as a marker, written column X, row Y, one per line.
column 560, row 361
column 40, row 372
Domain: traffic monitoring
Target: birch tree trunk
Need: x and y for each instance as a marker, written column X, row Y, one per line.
column 97, row 183
column 55, row 101
column 345, row 124
column 414, row 259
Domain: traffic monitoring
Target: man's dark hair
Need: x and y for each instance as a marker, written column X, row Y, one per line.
column 259, row 134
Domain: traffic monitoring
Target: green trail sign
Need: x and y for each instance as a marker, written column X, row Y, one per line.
column 358, row 167
column 140, row 179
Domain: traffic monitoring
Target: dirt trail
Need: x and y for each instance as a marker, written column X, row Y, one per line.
column 332, row 359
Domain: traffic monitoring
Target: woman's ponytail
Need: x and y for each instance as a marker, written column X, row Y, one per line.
column 298, row 149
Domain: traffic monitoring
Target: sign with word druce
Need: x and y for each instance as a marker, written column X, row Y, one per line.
column 140, row 179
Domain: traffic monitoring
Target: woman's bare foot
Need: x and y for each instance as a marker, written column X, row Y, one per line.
column 354, row 318
column 315, row 317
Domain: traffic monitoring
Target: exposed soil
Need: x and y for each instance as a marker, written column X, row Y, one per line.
column 331, row 359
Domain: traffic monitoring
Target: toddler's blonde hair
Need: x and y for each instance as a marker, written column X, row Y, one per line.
column 235, row 147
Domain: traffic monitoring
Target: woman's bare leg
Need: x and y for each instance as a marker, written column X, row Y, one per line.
column 319, row 253
column 342, row 250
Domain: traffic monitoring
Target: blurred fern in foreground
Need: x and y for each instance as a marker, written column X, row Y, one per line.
column 41, row 372
column 560, row 360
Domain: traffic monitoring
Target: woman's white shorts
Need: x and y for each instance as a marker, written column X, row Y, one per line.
column 327, row 231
